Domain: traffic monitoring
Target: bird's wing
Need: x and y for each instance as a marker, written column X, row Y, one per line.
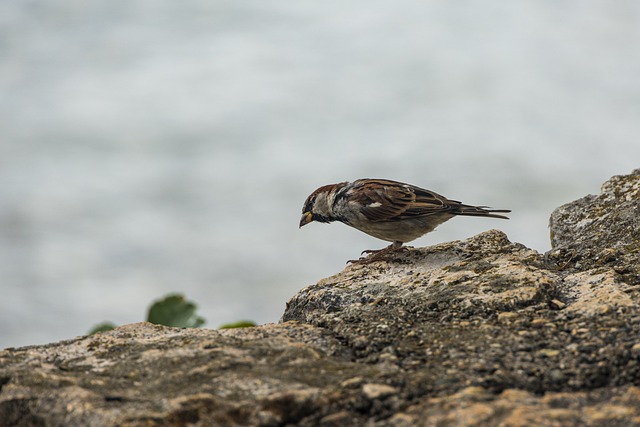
column 384, row 200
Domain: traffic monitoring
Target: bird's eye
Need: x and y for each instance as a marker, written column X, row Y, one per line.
column 308, row 206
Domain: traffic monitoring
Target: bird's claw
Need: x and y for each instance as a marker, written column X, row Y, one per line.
column 370, row 251
column 377, row 254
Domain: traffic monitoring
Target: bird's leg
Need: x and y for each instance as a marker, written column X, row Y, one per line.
column 378, row 254
column 394, row 245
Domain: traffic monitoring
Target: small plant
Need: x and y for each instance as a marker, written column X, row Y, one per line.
column 102, row 327
column 238, row 324
column 172, row 310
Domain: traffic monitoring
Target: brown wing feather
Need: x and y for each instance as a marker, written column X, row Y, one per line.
column 383, row 200
column 429, row 203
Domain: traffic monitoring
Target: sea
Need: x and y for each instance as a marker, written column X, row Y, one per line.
column 153, row 147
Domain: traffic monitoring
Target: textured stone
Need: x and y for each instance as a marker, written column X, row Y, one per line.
column 480, row 332
column 143, row 374
column 601, row 231
column 378, row 391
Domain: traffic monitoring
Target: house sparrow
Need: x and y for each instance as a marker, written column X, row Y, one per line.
column 389, row 210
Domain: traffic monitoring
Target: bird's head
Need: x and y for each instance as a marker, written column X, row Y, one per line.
column 319, row 205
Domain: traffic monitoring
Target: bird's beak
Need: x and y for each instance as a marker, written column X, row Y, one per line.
column 307, row 217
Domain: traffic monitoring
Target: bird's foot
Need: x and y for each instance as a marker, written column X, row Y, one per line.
column 378, row 254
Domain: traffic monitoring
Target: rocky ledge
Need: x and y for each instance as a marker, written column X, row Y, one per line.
column 481, row 332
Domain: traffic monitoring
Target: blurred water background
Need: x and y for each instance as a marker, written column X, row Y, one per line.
column 152, row 146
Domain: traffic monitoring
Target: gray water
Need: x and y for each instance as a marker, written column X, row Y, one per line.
column 150, row 147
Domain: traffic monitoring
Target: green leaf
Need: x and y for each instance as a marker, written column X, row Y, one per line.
column 174, row 311
column 238, row 324
column 102, row 327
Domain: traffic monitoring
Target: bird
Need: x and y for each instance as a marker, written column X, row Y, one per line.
column 388, row 210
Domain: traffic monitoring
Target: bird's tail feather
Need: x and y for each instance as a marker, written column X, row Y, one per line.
column 485, row 211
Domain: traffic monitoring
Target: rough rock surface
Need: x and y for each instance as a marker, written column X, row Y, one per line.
column 601, row 231
column 481, row 332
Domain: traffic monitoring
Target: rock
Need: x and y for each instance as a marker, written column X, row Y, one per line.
column 515, row 408
column 601, row 231
column 476, row 332
column 378, row 391
column 505, row 316
column 144, row 374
